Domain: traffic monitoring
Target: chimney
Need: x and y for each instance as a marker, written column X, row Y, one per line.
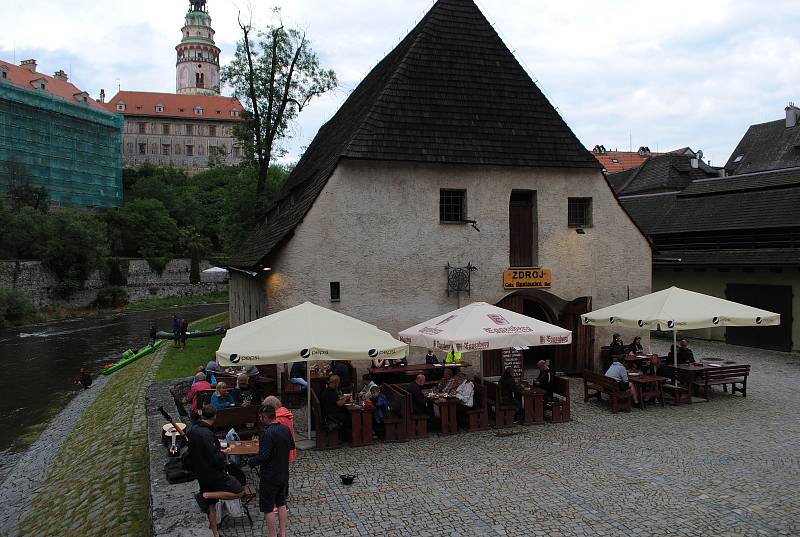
column 61, row 75
column 102, row 98
column 792, row 115
column 30, row 65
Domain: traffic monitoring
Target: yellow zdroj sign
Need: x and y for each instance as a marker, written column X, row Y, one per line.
column 527, row 278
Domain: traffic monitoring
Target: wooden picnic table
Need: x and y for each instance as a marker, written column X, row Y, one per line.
column 447, row 413
column 688, row 373
column 360, row 425
column 243, row 447
column 413, row 368
column 532, row 405
column 648, row 386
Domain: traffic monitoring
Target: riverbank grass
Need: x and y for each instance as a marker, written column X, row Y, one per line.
column 179, row 363
column 99, row 484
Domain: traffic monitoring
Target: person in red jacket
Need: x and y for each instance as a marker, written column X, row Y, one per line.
column 284, row 416
column 194, row 396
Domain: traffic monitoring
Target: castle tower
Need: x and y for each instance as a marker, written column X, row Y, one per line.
column 197, row 69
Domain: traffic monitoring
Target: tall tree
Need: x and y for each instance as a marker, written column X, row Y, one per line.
column 277, row 77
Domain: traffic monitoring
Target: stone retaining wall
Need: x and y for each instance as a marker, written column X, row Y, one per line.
column 143, row 283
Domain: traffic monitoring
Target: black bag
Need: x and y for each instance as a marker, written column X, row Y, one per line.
column 331, row 424
column 176, row 472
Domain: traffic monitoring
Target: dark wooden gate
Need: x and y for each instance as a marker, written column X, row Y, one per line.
column 522, row 231
column 775, row 298
column 578, row 356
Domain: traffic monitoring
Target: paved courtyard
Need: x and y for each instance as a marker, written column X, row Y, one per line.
column 727, row 467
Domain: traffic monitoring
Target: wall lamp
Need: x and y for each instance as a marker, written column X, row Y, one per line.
column 266, row 269
column 580, row 231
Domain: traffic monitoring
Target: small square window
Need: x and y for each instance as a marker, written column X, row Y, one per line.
column 142, row 127
column 190, row 150
column 165, row 128
column 452, row 205
column 579, row 212
column 212, row 130
column 142, row 149
column 159, row 108
column 4, row 73
column 165, row 149
column 121, row 107
column 336, row 292
column 189, row 130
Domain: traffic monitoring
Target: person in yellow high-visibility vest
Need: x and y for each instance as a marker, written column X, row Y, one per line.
column 453, row 357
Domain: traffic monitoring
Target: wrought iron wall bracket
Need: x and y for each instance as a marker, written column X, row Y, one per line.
column 458, row 278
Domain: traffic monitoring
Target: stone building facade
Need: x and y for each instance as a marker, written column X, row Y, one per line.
column 193, row 126
column 422, row 195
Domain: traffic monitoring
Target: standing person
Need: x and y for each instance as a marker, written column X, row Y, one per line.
column 431, row 358
column 184, row 332
column 153, row 332
column 284, row 416
column 275, row 447
column 208, row 464
column 176, row 330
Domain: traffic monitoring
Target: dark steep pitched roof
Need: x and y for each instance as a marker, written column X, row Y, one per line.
column 663, row 173
column 766, row 146
column 650, row 211
column 750, row 181
column 450, row 92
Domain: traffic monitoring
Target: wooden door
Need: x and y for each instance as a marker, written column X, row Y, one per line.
column 522, row 231
column 576, row 357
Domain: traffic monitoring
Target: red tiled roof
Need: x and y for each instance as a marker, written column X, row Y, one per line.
column 618, row 161
column 143, row 103
column 24, row 78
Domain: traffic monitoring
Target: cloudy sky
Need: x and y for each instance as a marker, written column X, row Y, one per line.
column 661, row 74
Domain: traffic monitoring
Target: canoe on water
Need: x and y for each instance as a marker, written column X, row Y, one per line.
column 129, row 357
column 194, row 333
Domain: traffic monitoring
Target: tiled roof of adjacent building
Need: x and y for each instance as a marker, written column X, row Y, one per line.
column 450, row 92
column 662, row 173
column 29, row 79
column 730, row 257
column 766, row 146
column 145, row 103
column 619, row 161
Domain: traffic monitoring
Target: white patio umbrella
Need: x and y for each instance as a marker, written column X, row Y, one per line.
column 481, row 326
column 304, row 333
column 676, row 308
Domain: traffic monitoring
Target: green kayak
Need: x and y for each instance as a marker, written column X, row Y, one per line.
column 129, row 357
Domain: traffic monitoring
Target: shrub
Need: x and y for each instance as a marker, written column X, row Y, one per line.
column 15, row 307
column 112, row 297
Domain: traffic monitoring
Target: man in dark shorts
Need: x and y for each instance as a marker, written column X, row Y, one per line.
column 184, row 331
column 275, row 445
column 208, row 464
column 176, row 331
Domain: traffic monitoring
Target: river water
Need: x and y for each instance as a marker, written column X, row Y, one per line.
column 39, row 363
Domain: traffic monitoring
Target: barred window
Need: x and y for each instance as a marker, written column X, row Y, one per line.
column 579, row 212
column 452, row 205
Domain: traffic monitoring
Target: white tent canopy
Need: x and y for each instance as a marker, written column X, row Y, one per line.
column 481, row 326
column 675, row 308
column 304, row 333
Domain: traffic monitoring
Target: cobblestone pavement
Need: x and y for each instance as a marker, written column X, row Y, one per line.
column 730, row 466
column 97, row 485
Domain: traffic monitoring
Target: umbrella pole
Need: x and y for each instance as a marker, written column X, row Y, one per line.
column 308, row 395
column 675, row 354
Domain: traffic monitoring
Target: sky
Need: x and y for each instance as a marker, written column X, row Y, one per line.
column 621, row 73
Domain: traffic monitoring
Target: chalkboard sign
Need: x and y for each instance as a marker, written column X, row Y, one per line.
column 513, row 358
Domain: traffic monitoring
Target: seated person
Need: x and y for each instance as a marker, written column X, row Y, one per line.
column 380, row 362
column 84, row 379
column 298, row 374
column 636, row 346
column 201, row 369
column 448, row 382
column 618, row 372
column 367, row 385
column 419, row 403
column 511, row 392
column 465, row 392
column 430, row 357
column 616, row 348
column 685, row 354
column 208, row 463
column 246, row 392
column 546, row 379
column 213, row 366
column 222, row 397
column 341, row 368
column 381, row 407
column 200, row 383
column 331, row 402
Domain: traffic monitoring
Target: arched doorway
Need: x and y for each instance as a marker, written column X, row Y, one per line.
column 552, row 309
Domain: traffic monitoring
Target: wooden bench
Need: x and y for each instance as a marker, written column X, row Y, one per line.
column 244, row 419
column 325, row 439
column 394, row 423
column 503, row 412
column 597, row 384
column 561, row 408
column 291, row 393
column 416, row 424
column 724, row 375
column 266, row 380
column 478, row 415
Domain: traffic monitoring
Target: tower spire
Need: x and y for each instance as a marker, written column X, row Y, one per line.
column 197, row 67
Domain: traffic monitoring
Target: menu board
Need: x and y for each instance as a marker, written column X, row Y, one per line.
column 513, row 358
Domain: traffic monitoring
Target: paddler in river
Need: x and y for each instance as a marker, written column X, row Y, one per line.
column 84, row 379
